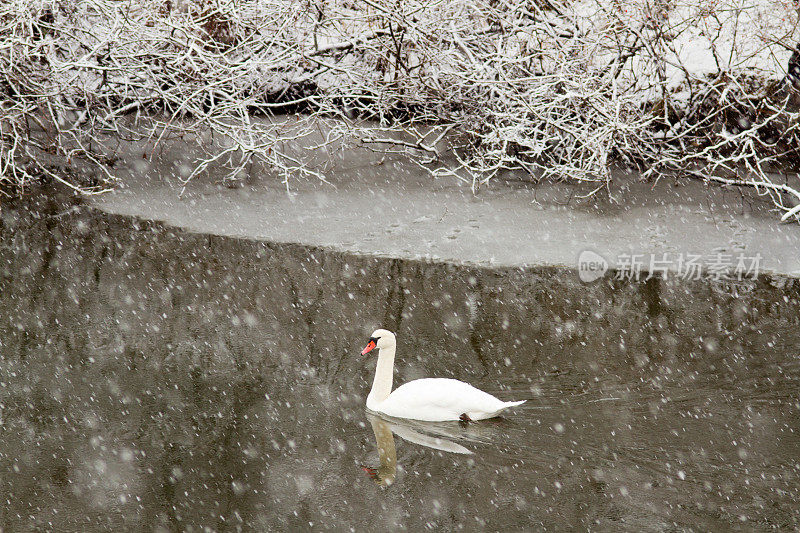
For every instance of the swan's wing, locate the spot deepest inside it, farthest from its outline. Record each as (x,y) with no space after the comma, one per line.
(438,399)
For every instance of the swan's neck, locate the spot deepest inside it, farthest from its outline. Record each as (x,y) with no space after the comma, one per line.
(382,384)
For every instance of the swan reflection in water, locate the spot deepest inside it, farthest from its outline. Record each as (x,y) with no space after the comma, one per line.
(384,438)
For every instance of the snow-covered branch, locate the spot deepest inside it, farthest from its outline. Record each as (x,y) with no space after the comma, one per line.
(561,90)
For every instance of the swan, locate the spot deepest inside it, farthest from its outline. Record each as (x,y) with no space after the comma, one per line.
(429,399)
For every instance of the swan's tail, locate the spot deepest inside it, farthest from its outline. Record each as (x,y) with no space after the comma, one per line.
(506,405)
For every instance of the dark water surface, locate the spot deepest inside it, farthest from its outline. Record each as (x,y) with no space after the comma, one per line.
(157,380)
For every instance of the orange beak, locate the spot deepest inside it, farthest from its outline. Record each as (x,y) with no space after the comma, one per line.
(368,348)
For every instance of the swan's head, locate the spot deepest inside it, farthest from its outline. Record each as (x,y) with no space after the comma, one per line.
(380,338)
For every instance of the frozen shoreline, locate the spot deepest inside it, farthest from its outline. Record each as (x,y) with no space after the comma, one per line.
(386,206)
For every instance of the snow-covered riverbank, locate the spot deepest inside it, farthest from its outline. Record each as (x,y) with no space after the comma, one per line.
(558,90)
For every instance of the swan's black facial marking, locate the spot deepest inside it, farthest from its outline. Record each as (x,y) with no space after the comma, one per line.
(374,339)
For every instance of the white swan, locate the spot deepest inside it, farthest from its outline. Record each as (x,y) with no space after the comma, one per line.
(429,399)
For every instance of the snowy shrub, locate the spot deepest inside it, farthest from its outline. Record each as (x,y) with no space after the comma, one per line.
(560,90)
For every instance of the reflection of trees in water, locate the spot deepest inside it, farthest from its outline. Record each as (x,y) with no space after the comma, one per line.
(210,358)
(396,297)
